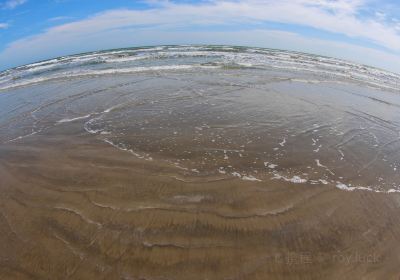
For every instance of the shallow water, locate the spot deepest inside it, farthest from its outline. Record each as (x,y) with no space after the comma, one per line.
(256,114)
(187,162)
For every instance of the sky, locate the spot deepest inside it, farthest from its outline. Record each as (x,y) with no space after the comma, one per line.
(363,31)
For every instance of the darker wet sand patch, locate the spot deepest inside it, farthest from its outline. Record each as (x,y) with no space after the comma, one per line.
(76,208)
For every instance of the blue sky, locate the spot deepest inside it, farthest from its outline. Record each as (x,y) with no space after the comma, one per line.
(364,31)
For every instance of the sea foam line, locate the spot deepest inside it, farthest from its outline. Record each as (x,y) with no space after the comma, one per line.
(295,179)
(106,72)
(348,188)
(74,119)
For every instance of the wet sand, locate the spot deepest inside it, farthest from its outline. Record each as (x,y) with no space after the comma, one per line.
(203,172)
(76,208)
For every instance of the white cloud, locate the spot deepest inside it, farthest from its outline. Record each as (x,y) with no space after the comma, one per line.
(12,4)
(4,25)
(119,28)
(338,16)
(60,18)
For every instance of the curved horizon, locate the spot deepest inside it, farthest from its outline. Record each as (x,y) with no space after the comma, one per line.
(195,45)
(361,31)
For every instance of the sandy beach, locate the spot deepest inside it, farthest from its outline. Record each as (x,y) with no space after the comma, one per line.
(73,208)
(231,172)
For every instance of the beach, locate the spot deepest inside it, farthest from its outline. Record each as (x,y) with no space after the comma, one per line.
(199,163)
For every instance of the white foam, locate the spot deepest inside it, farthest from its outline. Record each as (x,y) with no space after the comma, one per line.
(342,154)
(88,123)
(250,178)
(344,187)
(283,142)
(295,179)
(323,166)
(393,191)
(73,119)
(245,177)
(122,147)
(270,165)
(22,137)
(221,170)
(314,141)
(317,149)
(127,59)
(236,174)
(83,73)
